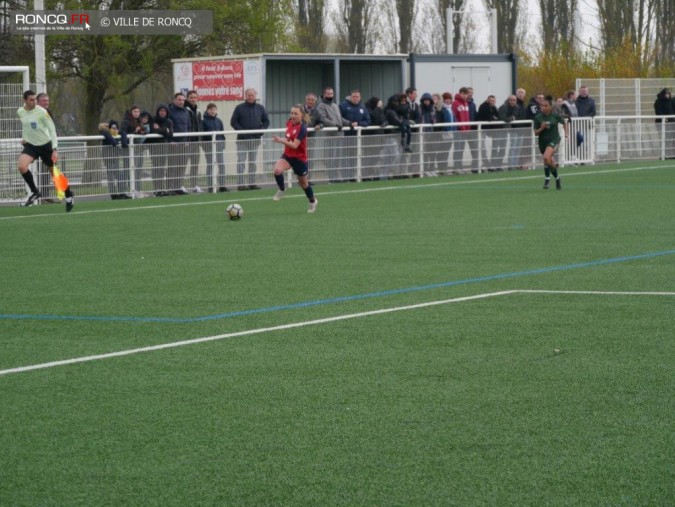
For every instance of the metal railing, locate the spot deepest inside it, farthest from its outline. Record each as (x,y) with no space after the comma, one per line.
(151,167)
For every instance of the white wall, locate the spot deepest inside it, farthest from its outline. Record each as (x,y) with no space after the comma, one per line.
(486,78)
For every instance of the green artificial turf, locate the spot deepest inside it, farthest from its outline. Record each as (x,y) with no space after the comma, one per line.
(521,398)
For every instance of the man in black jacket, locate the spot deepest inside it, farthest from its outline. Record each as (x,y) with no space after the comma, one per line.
(248,115)
(193,148)
(178,158)
(488,111)
(663,106)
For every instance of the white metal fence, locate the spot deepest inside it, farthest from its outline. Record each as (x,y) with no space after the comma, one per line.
(149,168)
(625,97)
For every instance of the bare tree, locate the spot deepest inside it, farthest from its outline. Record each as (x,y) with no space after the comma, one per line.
(352,33)
(311,26)
(616,22)
(557,21)
(507,23)
(664,32)
(406,20)
(458,18)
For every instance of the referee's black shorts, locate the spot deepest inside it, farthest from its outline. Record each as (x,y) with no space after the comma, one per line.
(43,152)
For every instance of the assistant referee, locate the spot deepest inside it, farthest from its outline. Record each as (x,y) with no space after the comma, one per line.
(39,141)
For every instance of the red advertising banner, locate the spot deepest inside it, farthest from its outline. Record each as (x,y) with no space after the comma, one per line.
(219,80)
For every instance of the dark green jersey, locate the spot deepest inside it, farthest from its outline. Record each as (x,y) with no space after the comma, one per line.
(550,136)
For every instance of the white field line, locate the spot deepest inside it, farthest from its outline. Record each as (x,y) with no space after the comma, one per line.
(245,333)
(337,192)
(594,292)
(294,325)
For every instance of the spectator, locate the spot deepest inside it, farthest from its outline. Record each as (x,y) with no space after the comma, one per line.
(375,109)
(509,112)
(473,115)
(533,105)
(215,152)
(585,104)
(414,115)
(372,146)
(663,106)
(521,96)
(432,142)
(160,149)
(357,115)
(404,112)
(294,157)
(460,110)
(488,112)
(354,112)
(118,180)
(42,100)
(178,157)
(131,124)
(195,142)
(439,155)
(427,112)
(310,112)
(569,107)
(391,152)
(568,111)
(329,115)
(140,146)
(448,117)
(249,115)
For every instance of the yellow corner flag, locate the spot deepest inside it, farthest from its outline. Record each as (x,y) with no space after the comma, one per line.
(60,182)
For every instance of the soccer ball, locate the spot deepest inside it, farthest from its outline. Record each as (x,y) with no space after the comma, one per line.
(234,212)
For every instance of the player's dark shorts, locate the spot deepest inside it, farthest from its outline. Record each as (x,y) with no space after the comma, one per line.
(300,167)
(543,146)
(43,152)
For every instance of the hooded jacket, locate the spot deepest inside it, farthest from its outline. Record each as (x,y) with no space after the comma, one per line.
(663,106)
(109,131)
(376,116)
(585,106)
(392,113)
(427,113)
(164,126)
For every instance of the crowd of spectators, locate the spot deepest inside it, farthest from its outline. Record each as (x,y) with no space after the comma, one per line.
(332,123)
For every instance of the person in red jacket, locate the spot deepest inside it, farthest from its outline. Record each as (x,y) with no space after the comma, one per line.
(460,110)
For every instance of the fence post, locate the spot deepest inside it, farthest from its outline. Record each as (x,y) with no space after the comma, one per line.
(618,141)
(132,167)
(359,153)
(479,133)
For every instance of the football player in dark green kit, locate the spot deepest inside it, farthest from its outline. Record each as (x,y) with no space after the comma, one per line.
(546,127)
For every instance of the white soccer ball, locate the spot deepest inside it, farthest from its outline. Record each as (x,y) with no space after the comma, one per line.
(234,212)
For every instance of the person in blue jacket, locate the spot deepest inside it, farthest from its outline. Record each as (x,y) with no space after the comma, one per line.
(211,123)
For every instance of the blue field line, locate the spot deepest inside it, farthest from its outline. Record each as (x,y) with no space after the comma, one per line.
(343,299)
